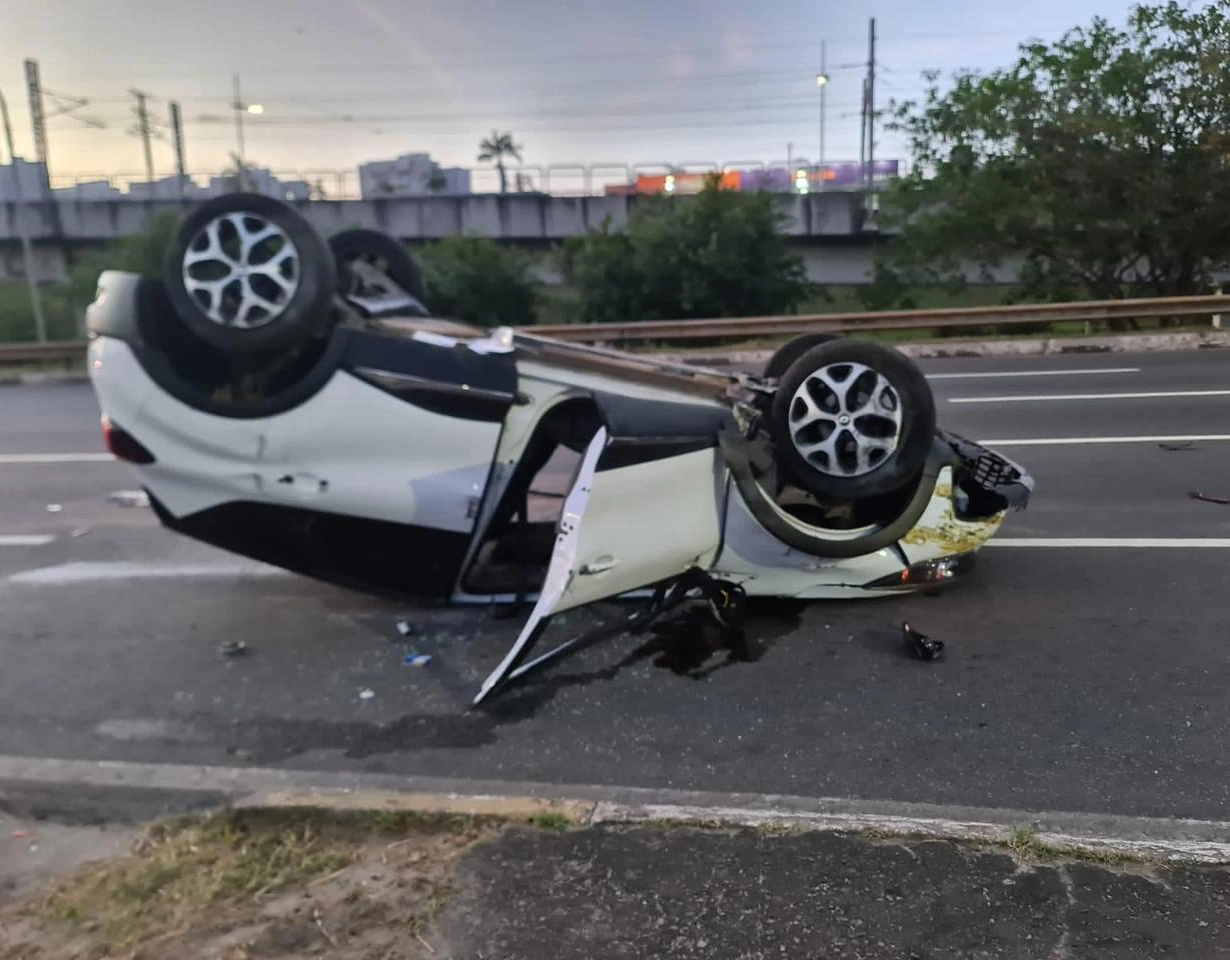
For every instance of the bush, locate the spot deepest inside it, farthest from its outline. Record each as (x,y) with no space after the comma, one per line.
(17,313)
(717,254)
(139,253)
(479,281)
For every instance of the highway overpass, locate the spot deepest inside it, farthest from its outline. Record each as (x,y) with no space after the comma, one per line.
(826,228)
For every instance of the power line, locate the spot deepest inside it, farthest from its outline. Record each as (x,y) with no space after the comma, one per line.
(470,66)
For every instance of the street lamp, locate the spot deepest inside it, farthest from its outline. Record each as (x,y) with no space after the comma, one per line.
(240,109)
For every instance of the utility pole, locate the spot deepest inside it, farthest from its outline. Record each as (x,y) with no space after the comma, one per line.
(862,134)
(239,106)
(823,81)
(177,132)
(27,252)
(38,120)
(871,118)
(143,130)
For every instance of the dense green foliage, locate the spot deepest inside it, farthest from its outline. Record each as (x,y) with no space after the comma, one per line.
(1095,166)
(718,254)
(480,281)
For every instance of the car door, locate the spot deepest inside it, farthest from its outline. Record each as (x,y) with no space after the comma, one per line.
(625,526)
(388,463)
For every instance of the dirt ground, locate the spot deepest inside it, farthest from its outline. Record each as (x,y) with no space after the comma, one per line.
(252,884)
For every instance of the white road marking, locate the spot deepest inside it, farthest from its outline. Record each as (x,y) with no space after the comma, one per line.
(1031,398)
(1081,441)
(1031,373)
(69,573)
(25,539)
(56,458)
(1122,543)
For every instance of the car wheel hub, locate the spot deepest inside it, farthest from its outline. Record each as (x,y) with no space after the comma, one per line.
(241,270)
(845,419)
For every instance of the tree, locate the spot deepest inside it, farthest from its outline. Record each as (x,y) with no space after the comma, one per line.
(479,281)
(497,147)
(1100,162)
(717,254)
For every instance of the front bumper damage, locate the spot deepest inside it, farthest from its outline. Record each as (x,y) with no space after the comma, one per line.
(985,483)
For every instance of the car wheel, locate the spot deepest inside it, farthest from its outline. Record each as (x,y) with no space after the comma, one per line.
(791,350)
(852,419)
(377,250)
(246,273)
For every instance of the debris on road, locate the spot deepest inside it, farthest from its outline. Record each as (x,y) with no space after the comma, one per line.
(923,646)
(54,508)
(416,660)
(404,628)
(1208,498)
(1181,445)
(79,533)
(366,694)
(129,498)
(233,648)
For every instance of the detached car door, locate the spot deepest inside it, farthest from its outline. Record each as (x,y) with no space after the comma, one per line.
(637,514)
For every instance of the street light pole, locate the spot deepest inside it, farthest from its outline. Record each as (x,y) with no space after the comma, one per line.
(27,252)
(822,81)
(241,172)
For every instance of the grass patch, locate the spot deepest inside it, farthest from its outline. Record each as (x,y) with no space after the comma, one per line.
(1025,844)
(194,880)
(551,821)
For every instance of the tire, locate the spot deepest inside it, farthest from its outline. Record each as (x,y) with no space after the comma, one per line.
(256,296)
(791,350)
(881,446)
(389,256)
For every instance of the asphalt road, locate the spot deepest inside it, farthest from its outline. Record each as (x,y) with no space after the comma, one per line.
(1075,678)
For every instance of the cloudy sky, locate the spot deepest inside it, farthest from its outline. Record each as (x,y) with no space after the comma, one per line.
(576,81)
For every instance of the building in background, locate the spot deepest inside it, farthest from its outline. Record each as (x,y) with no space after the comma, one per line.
(88,191)
(411,175)
(30,177)
(832,176)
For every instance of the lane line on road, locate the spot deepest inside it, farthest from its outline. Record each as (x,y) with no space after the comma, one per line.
(1126,543)
(1081,441)
(1038,397)
(186,787)
(25,539)
(69,573)
(15,458)
(1031,373)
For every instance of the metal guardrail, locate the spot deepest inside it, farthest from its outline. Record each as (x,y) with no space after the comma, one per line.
(725,328)
(720,329)
(34,352)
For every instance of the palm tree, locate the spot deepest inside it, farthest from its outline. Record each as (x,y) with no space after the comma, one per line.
(497,147)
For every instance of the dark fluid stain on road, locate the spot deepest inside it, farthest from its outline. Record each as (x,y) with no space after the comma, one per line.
(684,645)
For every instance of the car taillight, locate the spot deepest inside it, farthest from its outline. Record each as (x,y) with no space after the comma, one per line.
(122,444)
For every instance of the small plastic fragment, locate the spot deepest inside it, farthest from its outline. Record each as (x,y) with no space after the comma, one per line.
(416,660)
(1208,498)
(923,646)
(79,533)
(366,694)
(404,628)
(129,498)
(233,648)
(54,508)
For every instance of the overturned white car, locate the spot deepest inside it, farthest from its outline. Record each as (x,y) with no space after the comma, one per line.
(292,400)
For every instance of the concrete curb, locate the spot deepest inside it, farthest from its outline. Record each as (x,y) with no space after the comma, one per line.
(109,785)
(933,350)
